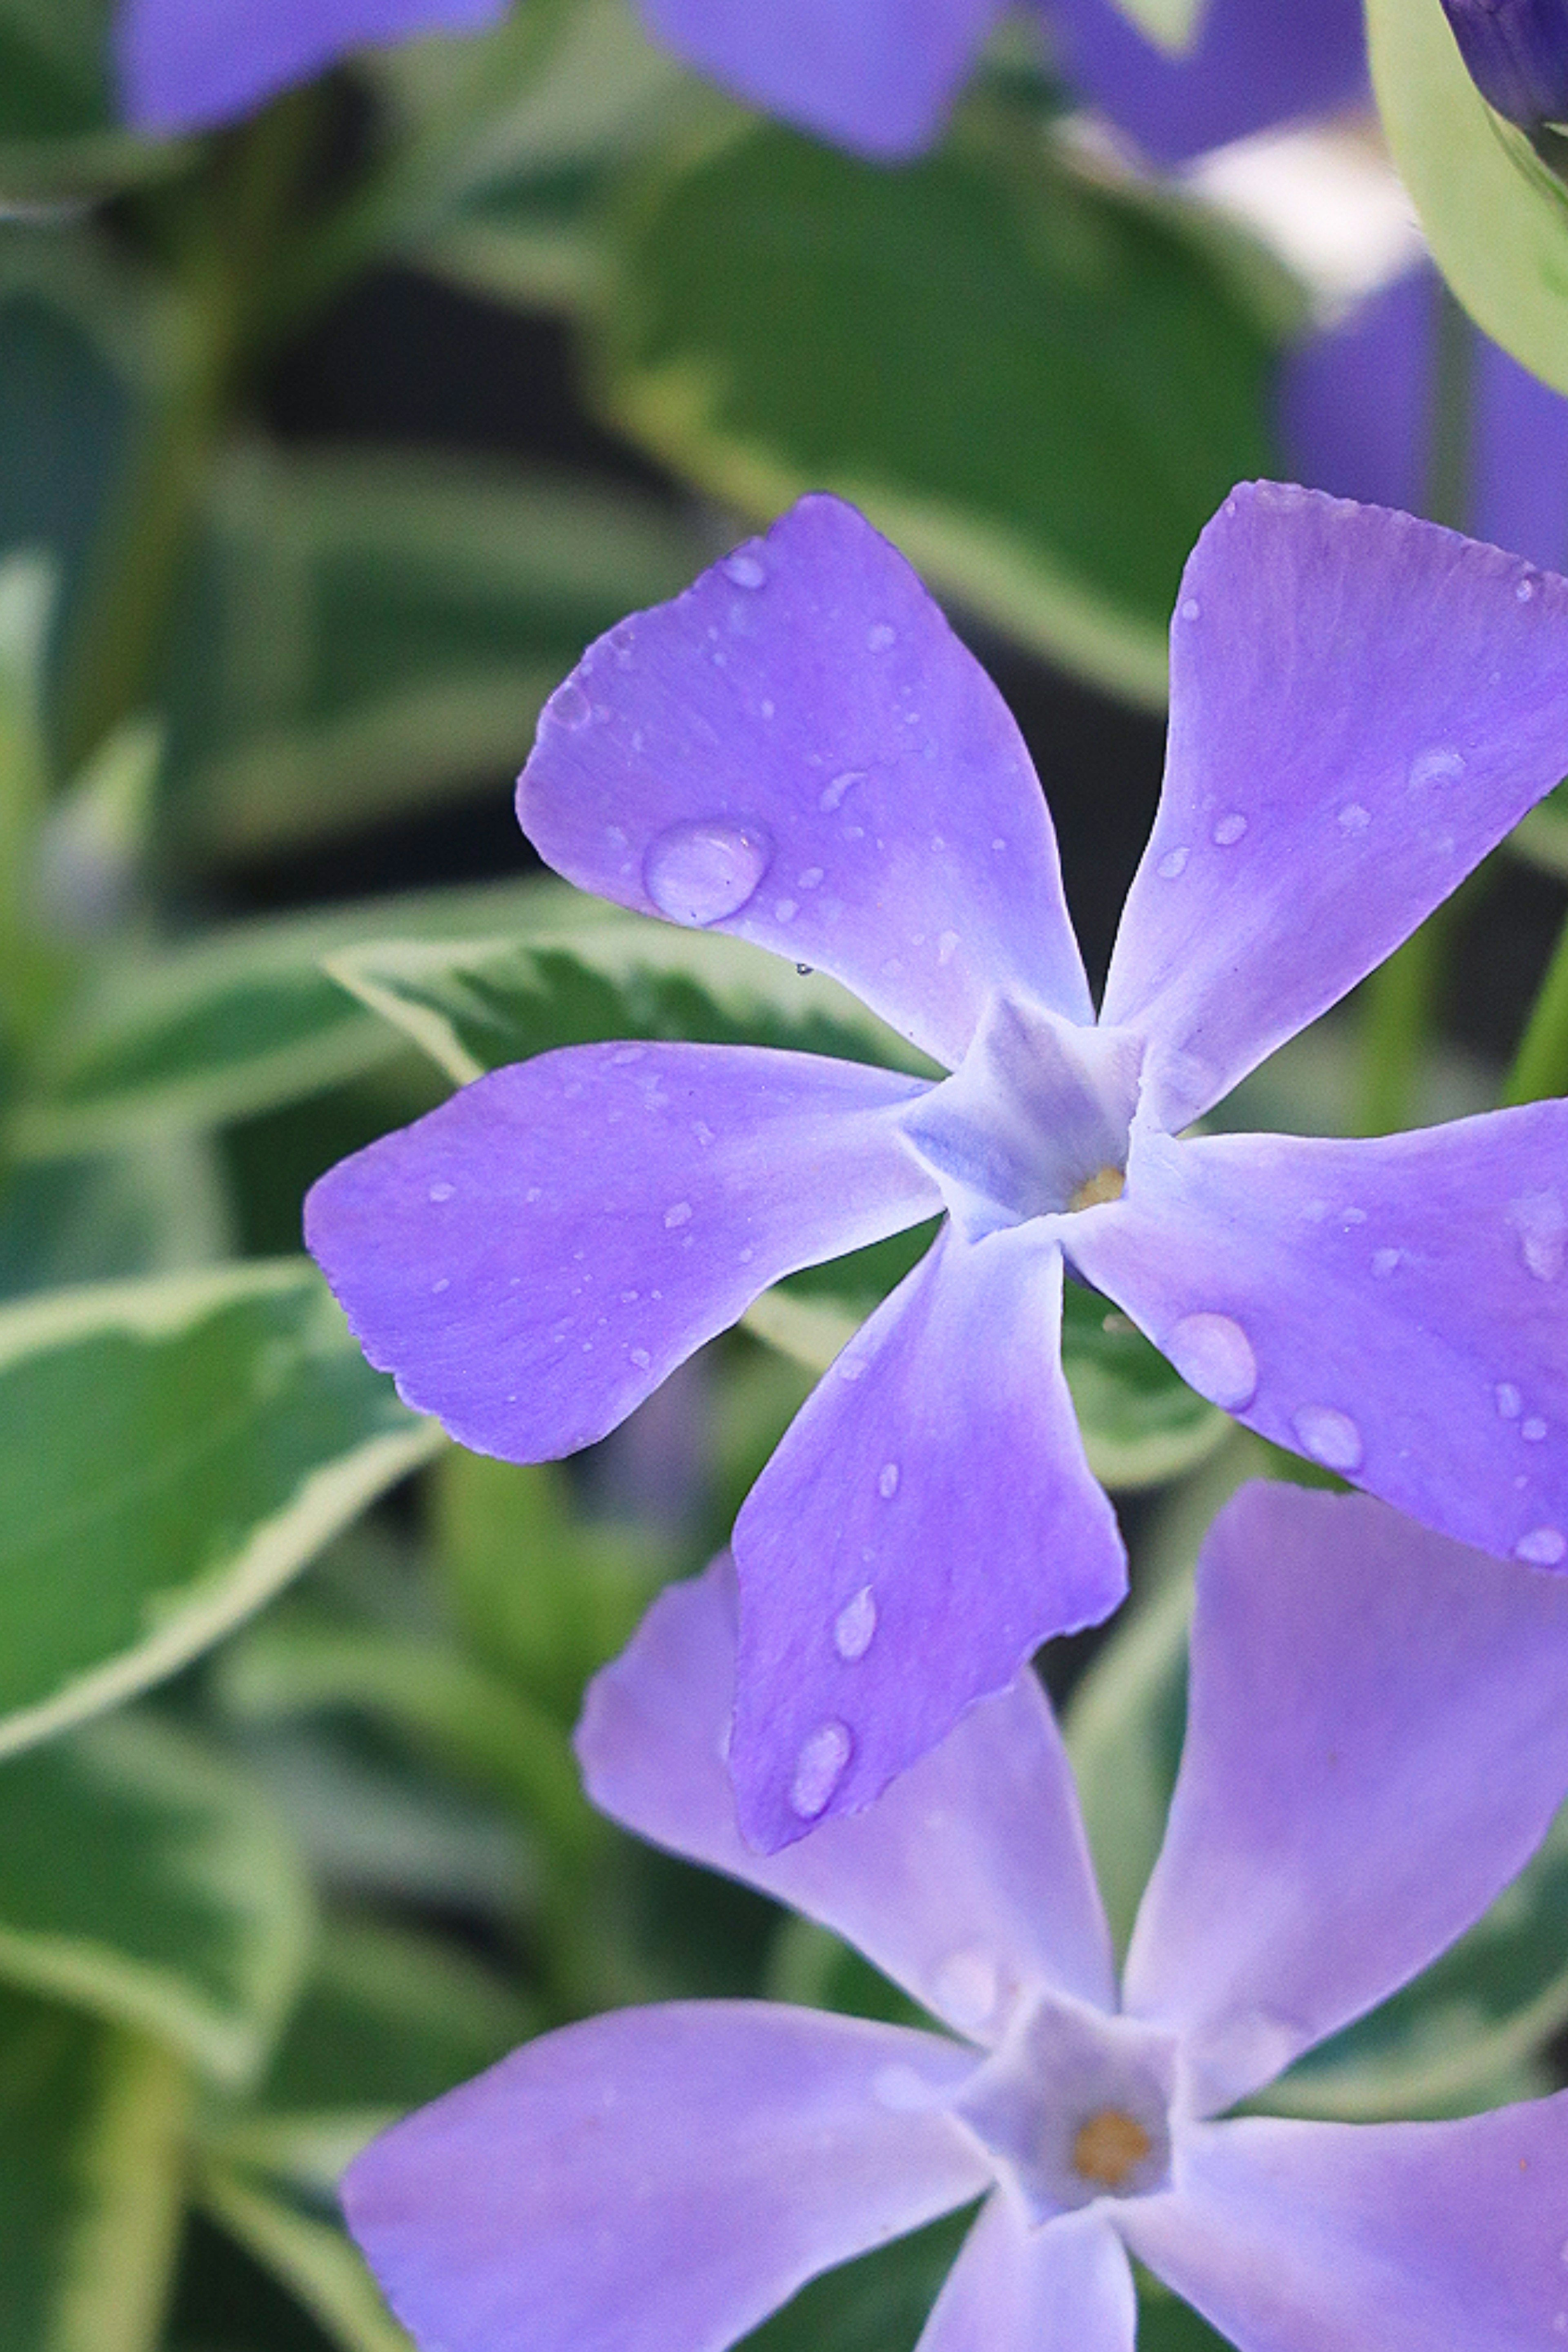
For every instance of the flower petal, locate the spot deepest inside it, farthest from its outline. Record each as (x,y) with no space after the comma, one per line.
(185,64)
(1308,2237)
(532,1258)
(1395,1307)
(659,2178)
(936,1477)
(1252,64)
(1065,2288)
(798,749)
(1361,706)
(968,1881)
(1377,1740)
(874,76)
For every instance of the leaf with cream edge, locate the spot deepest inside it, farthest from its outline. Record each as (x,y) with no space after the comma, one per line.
(179,1448)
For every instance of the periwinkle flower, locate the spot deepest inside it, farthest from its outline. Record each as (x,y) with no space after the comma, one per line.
(1517,55)
(1376,1739)
(188,64)
(798,750)
(877,76)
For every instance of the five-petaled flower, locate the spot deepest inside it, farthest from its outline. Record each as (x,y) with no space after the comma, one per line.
(800,751)
(1377,1737)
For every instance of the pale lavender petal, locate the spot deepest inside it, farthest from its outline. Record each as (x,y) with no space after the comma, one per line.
(1395,1307)
(1362,705)
(1064,2288)
(658,2179)
(1254,63)
(874,76)
(535,1257)
(185,64)
(968,1882)
(798,749)
(939,1468)
(1306,2237)
(1377,1740)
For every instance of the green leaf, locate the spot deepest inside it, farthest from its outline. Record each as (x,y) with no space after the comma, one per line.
(177,1450)
(1542,838)
(92,2127)
(147,1210)
(314,2258)
(1172,24)
(1101,384)
(1496,217)
(145,1881)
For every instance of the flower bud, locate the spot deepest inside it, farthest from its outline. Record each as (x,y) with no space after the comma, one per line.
(1516,53)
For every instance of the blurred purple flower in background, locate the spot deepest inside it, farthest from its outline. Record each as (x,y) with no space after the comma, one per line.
(1516,53)
(879,76)
(1377,1738)
(188,64)
(798,750)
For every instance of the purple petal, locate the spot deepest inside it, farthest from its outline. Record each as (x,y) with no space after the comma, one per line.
(658,2179)
(968,1882)
(798,749)
(875,76)
(1377,1740)
(1357,406)
(1254,62)
(1362,705)
(1307,2237)
(185,64)
(1065,2288)
(1396,1309)
(937,1475)
(532,1258)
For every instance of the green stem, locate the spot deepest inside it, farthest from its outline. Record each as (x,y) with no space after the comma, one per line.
(1540,1066)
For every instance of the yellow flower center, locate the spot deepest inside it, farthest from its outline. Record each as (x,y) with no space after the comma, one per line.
(1105,1185)
(1110,2146)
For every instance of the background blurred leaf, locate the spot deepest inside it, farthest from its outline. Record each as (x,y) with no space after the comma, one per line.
(146,1882)
(1089,385)
(178,1449)
(313,2257)
(143,1211)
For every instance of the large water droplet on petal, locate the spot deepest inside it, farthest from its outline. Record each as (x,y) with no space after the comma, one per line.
(1329,1435)
(1542,1548)
(1214,1355)
(855,1626)
(700,872)
(1230,830)
(888,1481)
(745,570)
(819,1768)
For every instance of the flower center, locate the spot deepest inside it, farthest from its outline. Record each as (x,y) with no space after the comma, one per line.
(1109,2147)
(1105,1185)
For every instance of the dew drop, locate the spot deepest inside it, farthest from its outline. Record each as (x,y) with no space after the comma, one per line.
(1172,866)
(834,795)
(677,1214)
(1542,1547)
(700,872)
(880,637)
(1510,1403)
(568,707)
(820,1768)
(1190,609)
(811,879)
(786,910)
(1353,818)
(1533,1431)
(1214,1355)
(1329,1435)
(946,946)
(1525,590)
(888,1481)
(439,1192)
(442,1282)
(855,1625)
(966,1987)
(1435,767)
(745,570)
(1540,1221)
(1384,1262)
(640,1358)
(1230,830)
(535,1192)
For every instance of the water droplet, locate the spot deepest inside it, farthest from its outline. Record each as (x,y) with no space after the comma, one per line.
(855,1625)
(1214,1355)
(786,910)
(1191,610)
(1353,818)
(698,873)
(442,1282)
(1533,1431)
(810,879)
(745,570)
(1542,1547)
(1330,1436)
(1172,866)
(1541,1225)
(1229,829)
(568,707)
(888,1481)
(966,1987)
(880,637)
(946,946)
(1510,1403)
(834,795)
(680,1213)
(1386,1261)
(535,1192)
(1435,767)
(1525,590)
(439,1192)
(1352,1216)
(820,1768)
(640,1358)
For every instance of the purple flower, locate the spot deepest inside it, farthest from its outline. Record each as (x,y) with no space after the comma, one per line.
(877,76)
(798,750)
(186,64)
(1517,54)
(1377,1738)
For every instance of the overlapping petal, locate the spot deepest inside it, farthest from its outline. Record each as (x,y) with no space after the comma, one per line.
(1253,63)
(969,1881)
(185,64)
(537,1254)
(1307,2237)
(1377,1740)
(658,2179)
(1395,1307)
(1065,2288)
(875,76)
(934,1486)
(1362,705)
(798,749)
